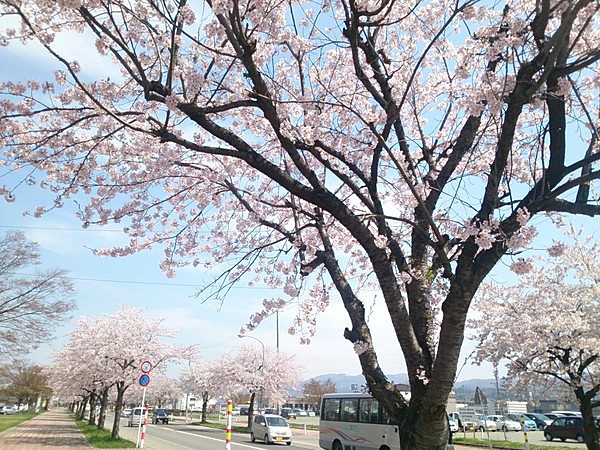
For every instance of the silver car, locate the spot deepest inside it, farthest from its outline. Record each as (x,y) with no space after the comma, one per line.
(137,415)
(9,410)
(270,428)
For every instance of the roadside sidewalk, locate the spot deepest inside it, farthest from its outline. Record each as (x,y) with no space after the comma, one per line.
(52,430)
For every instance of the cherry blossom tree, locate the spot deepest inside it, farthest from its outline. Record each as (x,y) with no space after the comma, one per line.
(107,352)
(204,378)
(32,302)
(270,379)
(343,147)
(546,325)
(161,391)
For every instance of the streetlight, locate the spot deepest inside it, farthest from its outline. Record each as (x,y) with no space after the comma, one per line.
(261,368)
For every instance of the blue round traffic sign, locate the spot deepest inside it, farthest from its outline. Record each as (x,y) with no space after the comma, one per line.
(144,380)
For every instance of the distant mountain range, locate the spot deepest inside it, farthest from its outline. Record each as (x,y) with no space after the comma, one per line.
(465,390)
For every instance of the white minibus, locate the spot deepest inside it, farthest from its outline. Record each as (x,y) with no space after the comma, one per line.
(355,421)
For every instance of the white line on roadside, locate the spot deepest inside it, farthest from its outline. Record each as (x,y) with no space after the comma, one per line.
(151,437)
(214,439)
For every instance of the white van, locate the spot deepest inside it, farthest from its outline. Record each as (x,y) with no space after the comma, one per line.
(137,414)
(270,428)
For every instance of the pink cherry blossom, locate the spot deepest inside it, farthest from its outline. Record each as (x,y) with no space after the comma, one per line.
(392,149)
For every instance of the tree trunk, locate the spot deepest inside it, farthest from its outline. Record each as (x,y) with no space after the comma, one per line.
(426,429)
(251,409)
(81,412)
(121,388)
(103,407)
(93,400)
(592,433)
(204,406)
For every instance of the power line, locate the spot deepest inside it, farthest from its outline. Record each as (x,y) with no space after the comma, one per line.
(58,228)
(148,283)
(99,230)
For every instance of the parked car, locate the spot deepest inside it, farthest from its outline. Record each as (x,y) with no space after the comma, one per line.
(529,424)
(540,420)
(453,424)
(565,428)
(271,428)
(482,423)
(567,413)
(160,416)
(504,423)
(288,413)
(126,412)
(311,413)
(137,415)
(235,411)
(302,412)
(244,410)
(553,416)
(456,417)
(9,410)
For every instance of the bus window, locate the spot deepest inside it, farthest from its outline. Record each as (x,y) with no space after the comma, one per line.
(331,409)
(349,410)
(368,410)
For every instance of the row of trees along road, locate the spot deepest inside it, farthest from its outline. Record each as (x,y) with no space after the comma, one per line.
(100,365)
(347,146)
(102,360)
(243,375)
(546,327)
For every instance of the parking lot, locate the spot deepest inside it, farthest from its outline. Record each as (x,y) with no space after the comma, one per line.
(534,437)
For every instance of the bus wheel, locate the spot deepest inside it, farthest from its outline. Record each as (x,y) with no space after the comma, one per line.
(336,445)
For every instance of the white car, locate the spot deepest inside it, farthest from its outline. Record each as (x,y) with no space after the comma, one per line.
(137,415)
(302,412)
(504,423)
(482,423)
(270,428)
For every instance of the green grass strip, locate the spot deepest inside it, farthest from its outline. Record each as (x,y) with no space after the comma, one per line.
(496,444)
(101,438)
(11,420)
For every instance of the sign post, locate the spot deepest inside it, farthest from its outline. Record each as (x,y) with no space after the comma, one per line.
(143,381)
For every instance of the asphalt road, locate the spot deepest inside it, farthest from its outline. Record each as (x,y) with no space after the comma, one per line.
(181,436)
